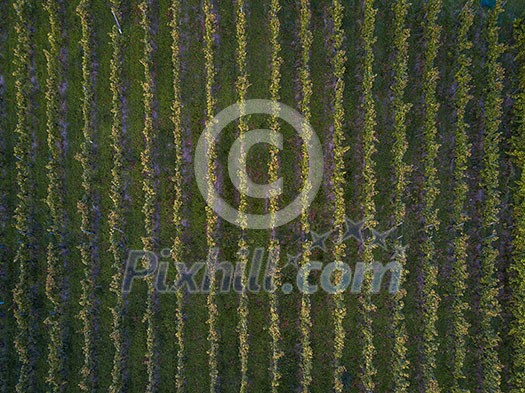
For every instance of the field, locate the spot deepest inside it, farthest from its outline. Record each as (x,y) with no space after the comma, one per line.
(419,107)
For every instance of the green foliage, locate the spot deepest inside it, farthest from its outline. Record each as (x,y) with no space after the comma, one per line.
(367,194)
(489,307)
(150,197)
(176,109)
(4,256)
(460,326)
(518,265)
(24,339)
(210,28)
(41,181)
(86,206)
(400,174)
(273,167)
(55,203)
(339,253)
(305,39)
(117,214)
(243,251)
(430,298)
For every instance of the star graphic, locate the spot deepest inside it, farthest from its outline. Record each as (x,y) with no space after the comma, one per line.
(243,252)
(353,229)
(319,241)
(293,260)
(399,251)
(380,237)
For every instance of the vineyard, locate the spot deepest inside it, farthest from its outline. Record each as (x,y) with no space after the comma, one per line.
(419,108)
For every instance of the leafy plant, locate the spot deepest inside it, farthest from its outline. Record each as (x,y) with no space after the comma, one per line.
(176,109)
(367,194)
(243,252)
(24,339)
(55,290)
(150,198)
(430,298)
(460,326)
(518,265)
(86,206)
(339,253)
(489,307)
(210,29)
(305,39)
(400,173)
(116,217)
(273,167)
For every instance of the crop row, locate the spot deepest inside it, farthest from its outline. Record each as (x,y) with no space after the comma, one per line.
(210,29)
(518,266)
(274,251)
(24,340)
(367,193)
(149,180)
(338,178)
(55,280)
(176,109)
(116,216)
(462,152)
(305,39)
(429,271)
(489,307)
(400,173)
(86,206)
